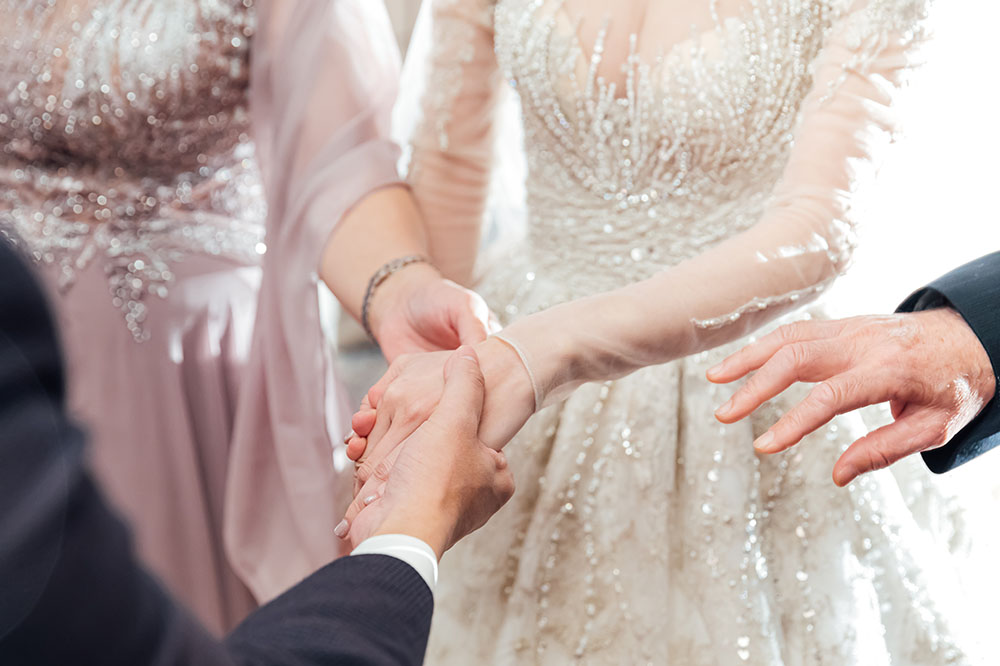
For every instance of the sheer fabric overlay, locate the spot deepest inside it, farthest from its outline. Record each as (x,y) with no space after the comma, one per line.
(144,148)
(691,168)
(324,78)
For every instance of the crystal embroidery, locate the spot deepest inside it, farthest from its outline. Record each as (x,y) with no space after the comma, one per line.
(126,140)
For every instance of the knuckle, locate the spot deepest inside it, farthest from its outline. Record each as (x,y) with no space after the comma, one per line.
(788,357)
(788,332)
(364,471)
(828,394)
(801,354)
(411,411)
(400,363)
(876,458)
(391,395)
(382,470)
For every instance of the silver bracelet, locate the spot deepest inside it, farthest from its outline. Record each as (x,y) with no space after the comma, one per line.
(380,276)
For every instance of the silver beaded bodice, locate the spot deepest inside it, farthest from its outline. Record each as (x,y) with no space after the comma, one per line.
(638,167)
(124,138)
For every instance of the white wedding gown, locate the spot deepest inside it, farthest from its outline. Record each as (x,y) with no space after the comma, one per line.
(698,157)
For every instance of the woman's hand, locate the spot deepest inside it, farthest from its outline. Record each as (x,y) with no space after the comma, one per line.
(417,310)
(410,391)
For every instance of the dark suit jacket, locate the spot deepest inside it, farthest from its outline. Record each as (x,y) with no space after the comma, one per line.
(974,292)
(71,590)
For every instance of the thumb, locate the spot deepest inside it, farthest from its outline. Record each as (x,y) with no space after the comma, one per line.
(472,322)
(464,388)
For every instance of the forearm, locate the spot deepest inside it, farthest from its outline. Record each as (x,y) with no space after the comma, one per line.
(710,300)
(383,226)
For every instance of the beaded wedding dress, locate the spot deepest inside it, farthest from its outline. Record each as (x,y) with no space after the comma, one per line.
(690,168)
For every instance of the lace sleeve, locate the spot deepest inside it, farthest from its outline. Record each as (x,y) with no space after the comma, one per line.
(452,145)
(323,80)
(801,244)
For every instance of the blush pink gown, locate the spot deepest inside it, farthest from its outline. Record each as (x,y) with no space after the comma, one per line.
(175,169)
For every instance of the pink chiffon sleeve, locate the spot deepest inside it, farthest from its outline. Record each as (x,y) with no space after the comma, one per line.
(801,244)
(324,78)
(452,146)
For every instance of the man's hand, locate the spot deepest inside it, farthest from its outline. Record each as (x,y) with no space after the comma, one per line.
(442,482)
(417,310)
(410,390)
(929,366)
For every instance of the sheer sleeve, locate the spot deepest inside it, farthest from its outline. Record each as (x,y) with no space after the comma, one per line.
(800,245)
(452,144)
(323,80)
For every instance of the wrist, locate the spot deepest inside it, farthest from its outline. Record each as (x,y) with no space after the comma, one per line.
(396,291)
(550,358)
(430,526)
(510,393)
(979,368)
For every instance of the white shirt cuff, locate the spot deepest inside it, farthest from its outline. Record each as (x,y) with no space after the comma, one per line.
(411,550)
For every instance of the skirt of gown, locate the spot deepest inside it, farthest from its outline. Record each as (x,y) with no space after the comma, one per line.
(643,531)
(160,416)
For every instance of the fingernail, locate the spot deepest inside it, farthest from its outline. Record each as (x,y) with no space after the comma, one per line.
(368,500)
(341,529)
(843,477)
(725,408)
(349,437)
(717,368)
(466,352)
(764,442)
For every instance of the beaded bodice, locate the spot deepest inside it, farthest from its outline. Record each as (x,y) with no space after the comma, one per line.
(643,157)
(124,138)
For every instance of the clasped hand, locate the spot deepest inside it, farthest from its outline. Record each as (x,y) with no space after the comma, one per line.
(411,393)
(445,481)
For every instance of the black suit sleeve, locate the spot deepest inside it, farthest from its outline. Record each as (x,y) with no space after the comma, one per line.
(71,589)
(974,292)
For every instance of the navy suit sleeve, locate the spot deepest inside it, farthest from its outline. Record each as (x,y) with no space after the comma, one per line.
(71,589)
(375,609)
(974,292)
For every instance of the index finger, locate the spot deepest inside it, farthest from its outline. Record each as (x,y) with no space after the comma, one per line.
(754,355)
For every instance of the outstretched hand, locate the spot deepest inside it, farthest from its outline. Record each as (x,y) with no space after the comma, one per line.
(442,482)
(929,366)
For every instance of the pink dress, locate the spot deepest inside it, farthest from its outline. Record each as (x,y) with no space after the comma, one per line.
(175,170)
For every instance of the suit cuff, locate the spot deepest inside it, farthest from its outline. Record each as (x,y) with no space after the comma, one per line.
(973,291)
(409,549)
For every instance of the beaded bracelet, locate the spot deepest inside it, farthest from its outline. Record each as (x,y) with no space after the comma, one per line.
(380,276)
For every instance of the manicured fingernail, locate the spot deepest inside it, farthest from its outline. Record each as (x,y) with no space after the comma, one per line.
(764,442)
(725,408)
(348,437)
(368,500)
(341,529)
